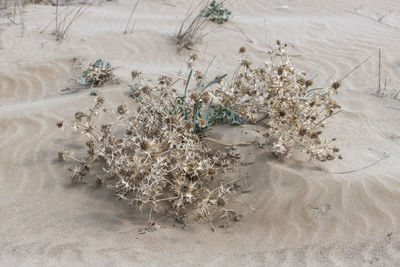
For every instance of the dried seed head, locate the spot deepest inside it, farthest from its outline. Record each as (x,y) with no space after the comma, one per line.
(193,56)
(280,71)
(205,98)
(146,89)
(194,96)
(302,132)
(144,145)
(301,81)
(129,132)
(202,123)
(99,181)
(221,202)
(100,100)
(60,124)
(122,109)
(135,74)
(198,75)
(62,155)
(79,115)
(165,80)
(242,50)
(309,83)
(336,85)
(105,127)
(245,62)
(189,125)
(90,144)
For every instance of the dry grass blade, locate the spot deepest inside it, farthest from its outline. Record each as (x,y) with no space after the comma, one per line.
(193,27)
(356,67)
(365,167)
(65,20)
(130,18)
(229,144)
(378,92)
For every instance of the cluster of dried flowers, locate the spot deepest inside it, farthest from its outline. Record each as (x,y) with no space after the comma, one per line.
(284,98)
(275,93)
(158,161)
(157,154)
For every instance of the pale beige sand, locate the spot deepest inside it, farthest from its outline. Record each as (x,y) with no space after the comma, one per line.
(302,213)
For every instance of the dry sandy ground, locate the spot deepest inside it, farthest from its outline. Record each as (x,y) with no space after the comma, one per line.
(302,213)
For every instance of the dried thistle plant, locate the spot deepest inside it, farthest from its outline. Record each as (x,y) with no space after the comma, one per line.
(157,155)
(294,110)
(285,98)
(158,162)
(97,74)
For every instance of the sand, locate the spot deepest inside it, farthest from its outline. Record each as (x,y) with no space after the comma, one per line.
(296,213)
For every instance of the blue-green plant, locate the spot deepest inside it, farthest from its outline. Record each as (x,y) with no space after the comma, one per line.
(97,74)
(217,13)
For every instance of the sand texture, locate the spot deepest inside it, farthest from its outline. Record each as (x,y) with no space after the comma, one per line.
(296,213)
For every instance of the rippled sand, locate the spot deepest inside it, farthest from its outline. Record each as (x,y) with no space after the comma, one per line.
(297,213)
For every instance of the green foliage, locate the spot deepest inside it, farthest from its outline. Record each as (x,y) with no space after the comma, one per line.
(217,13)
(196,105)
(94,93)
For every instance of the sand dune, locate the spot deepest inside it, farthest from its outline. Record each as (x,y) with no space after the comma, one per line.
(296,213)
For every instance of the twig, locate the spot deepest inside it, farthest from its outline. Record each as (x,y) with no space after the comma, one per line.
(379,74)
(327,80)
(365,16)
(384,16)
(350,72)
(13,21)
(395,96)
(130,17)
(327,118)
(365,167)
(229,144)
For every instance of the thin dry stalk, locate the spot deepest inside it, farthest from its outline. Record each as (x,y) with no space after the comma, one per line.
(130,18)
(395,96)
(192,29)
(352,70)
(378,92)
(63,24)
(365,167)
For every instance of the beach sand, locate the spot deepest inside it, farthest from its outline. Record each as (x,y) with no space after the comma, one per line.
(296,213)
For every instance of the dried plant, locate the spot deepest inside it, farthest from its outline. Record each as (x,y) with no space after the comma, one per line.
(64,19)
(276,92)
(197,104)
(157,153)
(156,159)
(192,29)
(128,23)
(97,74)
